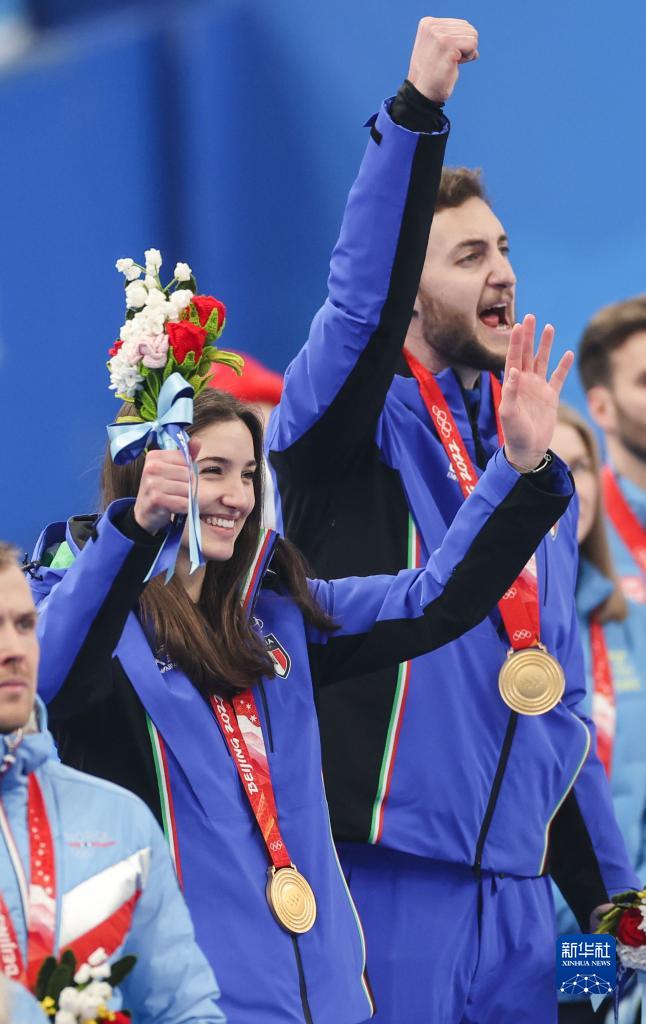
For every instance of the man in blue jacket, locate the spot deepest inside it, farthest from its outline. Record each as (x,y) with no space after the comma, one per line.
(449,806)
(83,864)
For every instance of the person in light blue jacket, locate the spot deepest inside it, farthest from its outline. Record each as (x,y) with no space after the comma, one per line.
(613,634)
(82,860)
(18,1006)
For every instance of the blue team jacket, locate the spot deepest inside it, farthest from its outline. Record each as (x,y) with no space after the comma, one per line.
(626,642)
(364,485)
(107,849)
(98,667)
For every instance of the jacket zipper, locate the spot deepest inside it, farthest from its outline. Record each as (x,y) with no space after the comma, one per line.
(307,1013)
(481,459)
(495,790)
(263,697)
(545,561)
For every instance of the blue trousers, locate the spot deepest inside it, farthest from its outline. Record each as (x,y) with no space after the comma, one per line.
(445,947)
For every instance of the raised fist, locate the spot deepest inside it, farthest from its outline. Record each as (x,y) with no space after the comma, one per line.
(164,486)
(441,45)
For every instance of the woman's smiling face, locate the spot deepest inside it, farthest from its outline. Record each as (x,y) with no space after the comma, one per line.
(226,467)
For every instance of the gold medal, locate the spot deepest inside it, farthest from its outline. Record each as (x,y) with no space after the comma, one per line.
(291,899)
(531,681)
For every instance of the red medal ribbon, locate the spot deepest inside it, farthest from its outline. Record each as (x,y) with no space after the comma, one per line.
(38,898)
(519,606)
(624,520)
(604,705)
(233,717)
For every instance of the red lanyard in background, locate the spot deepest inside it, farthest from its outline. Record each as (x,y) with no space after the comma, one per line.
(624,519)
(38,897)
(604,705)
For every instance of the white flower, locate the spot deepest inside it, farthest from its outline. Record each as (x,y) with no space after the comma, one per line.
(149,321)
(156,298)
(124,378)
(99,989)
(129,330)
(153,261)
(65,1017)
(128,267)
(180,299)
(99,956)
(153,354)
(136,295)
(90,1005)
(183,272)
(151,282)
(632,956)
(69,1000)
(83,974)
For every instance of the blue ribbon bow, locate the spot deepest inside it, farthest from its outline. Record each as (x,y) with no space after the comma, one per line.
(129,440)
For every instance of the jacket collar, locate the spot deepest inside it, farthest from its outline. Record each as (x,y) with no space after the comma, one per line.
(407,391)
(32,751)
(267,541)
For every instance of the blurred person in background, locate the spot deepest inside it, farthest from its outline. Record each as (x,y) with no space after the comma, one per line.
(612,365)
(613,632)
(450,807)
(257,385)
(262,388)
(83,864)
(18,1005)
(15,30)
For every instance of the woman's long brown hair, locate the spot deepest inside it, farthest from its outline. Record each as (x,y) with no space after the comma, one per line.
(213,641)
(595,546)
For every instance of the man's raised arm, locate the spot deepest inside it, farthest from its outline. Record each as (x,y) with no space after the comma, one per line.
(336,386)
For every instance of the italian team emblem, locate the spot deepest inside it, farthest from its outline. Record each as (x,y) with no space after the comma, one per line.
(279,655)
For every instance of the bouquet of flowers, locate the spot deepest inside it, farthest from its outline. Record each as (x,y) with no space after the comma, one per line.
(167,330)
(161,360)
(69,995)
(627,922)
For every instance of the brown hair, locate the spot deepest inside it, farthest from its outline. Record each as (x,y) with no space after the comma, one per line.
(595,547)
(213,641)
(606,332)
(9,555)
(458,184)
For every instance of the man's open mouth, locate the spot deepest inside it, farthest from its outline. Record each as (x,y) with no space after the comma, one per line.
(496,316)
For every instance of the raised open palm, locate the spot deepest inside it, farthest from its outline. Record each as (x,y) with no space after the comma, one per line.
(529,400)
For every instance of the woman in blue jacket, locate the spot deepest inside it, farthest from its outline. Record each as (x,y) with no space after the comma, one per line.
(614,645)
(200,696)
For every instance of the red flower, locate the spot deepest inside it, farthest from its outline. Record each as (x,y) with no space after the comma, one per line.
(115,348)
(204,306)
(119,1017)
(629,931)
(184,338)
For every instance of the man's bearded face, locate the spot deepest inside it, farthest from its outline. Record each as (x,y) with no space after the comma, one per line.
(467,290)
(628,387)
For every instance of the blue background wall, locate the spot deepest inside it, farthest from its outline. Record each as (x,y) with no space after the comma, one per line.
(227,134)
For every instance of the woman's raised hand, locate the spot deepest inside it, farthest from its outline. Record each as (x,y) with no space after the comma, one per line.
(529,400)
(164,486)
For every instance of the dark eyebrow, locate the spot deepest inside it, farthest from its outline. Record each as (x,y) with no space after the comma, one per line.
(476,243)
(28,613)
(224,462)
